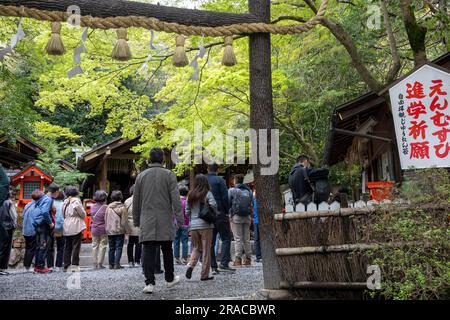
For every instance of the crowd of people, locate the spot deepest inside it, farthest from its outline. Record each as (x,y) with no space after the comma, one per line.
(159,216)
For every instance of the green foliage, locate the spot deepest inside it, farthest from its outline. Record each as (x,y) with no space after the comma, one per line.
(347,176)
(427,186)
(417,271)
(49,162)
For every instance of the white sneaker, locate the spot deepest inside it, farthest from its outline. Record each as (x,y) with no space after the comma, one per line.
(148,289)
(175,281)
(56,269)
(75,269)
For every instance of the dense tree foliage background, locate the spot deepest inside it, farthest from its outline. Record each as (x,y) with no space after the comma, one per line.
(347,55)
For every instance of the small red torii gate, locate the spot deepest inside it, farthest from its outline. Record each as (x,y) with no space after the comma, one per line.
(30,179)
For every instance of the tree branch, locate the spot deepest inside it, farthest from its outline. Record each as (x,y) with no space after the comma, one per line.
(293,18)
(393,71)
(345,39)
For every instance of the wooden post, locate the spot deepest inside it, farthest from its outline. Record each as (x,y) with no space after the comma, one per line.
(104,174)
(261,117)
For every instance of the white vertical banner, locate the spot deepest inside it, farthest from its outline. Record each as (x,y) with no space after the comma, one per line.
(420,107)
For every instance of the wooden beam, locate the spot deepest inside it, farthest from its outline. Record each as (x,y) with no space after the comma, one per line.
(109,8)
(362,135)
(323,285)
(104,174)
(124,157)
(343,248)
(261,117)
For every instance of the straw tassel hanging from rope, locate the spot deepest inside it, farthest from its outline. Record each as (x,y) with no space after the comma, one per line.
(121,51)
(180,58)
(55,45)
(229,58)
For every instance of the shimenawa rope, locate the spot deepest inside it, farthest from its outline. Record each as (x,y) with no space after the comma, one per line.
(171,27)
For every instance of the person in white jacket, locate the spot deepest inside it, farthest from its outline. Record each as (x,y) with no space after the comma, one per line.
(133,237)
(74,225)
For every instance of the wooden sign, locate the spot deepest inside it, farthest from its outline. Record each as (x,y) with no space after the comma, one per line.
(422,118)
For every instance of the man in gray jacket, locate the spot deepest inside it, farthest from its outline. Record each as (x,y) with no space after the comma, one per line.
(155,200)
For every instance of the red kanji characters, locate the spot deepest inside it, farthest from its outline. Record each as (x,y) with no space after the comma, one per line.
(440,122)
(435,105)
(417,129)
(442,134)
(415,91)
(420,150)
(415,109)
(443,154)
(437,88)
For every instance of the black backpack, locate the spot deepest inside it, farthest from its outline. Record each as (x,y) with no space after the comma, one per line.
(242,203)
(318,180)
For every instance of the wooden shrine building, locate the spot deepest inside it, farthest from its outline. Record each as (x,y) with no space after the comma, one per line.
(112,166)
(362,132)
(14,156)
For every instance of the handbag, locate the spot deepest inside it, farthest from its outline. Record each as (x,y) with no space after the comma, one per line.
(207,212)
(6,219)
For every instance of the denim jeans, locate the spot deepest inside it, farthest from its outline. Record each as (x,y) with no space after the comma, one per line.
(115,248)
(257,242)
(42,237)
(222,227)
(216,247)
(181,236)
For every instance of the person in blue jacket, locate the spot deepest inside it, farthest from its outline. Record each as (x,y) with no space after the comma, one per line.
(44,225)
(29,228)
(256,228)
(37,223)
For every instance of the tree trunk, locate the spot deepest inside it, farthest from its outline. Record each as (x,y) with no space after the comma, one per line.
(109,8)
(261,117)
(396,65)
(416,33)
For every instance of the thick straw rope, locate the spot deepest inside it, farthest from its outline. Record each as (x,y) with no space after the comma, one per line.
(157,25)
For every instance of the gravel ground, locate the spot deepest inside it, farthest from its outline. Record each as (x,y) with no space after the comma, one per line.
(127,284)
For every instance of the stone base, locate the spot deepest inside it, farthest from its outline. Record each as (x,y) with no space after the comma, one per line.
(16,257)
(276,294)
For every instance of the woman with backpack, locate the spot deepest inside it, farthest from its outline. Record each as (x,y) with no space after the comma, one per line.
(74,225)
(116,228)
(98,228)
(58,231)
(241,204)
(200,200)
